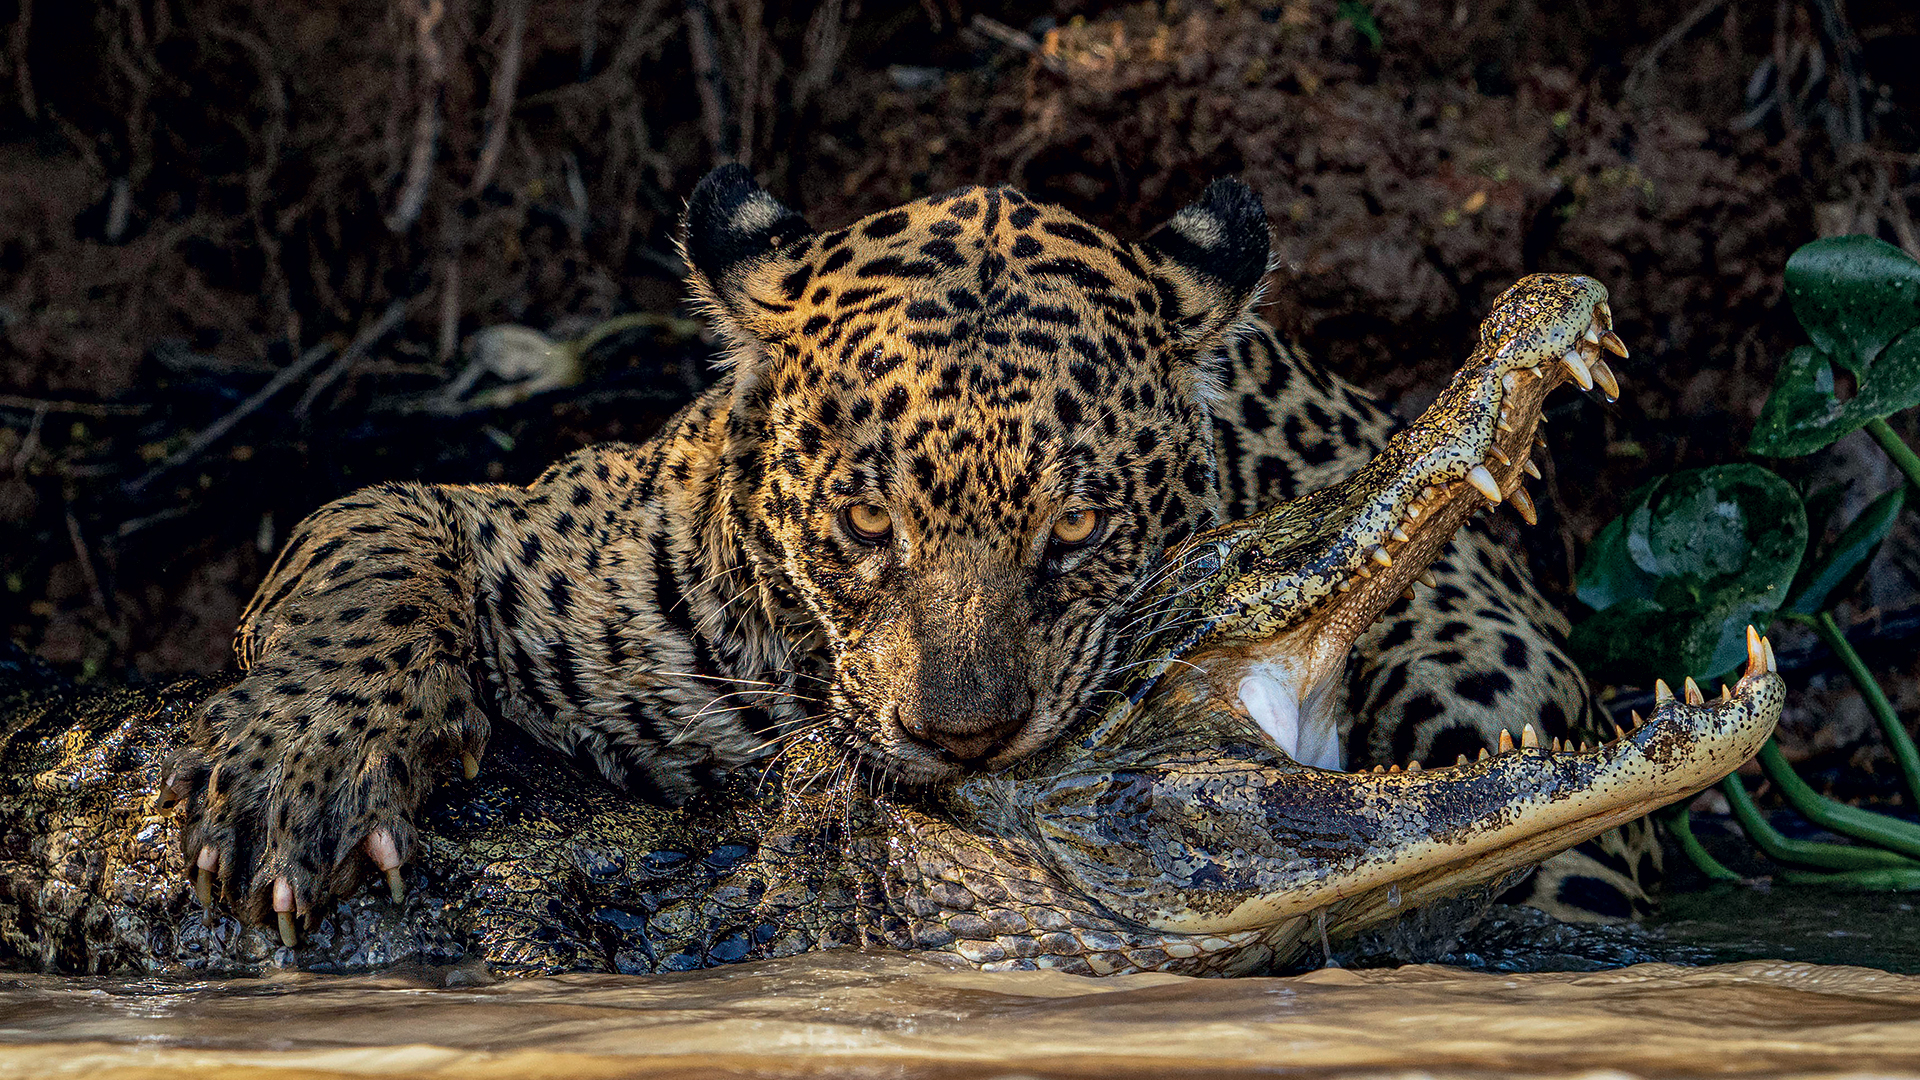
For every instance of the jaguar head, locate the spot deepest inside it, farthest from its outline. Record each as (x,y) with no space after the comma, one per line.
(960,432)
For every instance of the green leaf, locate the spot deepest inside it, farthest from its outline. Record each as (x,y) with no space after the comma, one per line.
(1859,300)
(1854,295)
(1803,414)
(1836,573)
(1676,578)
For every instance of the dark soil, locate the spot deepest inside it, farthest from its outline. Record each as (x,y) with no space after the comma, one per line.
(195,195)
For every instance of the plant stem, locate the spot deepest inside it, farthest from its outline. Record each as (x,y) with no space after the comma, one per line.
(1864,880)
(1681,822)
(1887,832)
(1897,738)
(1805,852)
(1902,455)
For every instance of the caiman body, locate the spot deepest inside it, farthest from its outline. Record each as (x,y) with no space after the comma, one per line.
(1167,832)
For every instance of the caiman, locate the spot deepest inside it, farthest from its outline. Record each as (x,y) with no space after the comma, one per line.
(1167,830)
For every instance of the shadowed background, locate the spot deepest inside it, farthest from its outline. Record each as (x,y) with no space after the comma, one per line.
(245,247)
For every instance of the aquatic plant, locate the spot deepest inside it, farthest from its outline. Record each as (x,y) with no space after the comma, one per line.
(1699,554)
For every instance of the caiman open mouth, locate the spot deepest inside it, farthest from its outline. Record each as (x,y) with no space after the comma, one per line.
(1228,853)
(1177,832)
(1268,608)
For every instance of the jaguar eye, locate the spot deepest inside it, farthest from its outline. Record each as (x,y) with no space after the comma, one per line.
(1078,528)
(868,522)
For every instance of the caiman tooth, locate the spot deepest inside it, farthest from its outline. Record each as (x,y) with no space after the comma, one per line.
(1499,455)
(1767,647)
(1581,373)
(1509,382)
(1611,342)
(1414,510)
(1380,556)
(1692,691)
(1583,746)
(1364,571)
(1503,423)
(1638,720)
(1617,733)
(1726,692)
(1506,741)
(1603,374)
(1756,660)
(1394,769)
(1592,335)
(1462,759)
(1661,692)
(1532,469)
(1554,744)
(1425,577)
(1603,314)
(1413,765)
(1484,483)
(1483,754)
(1523,503)
(1400,534)
(1406,594)
(1529,738)
(1345,585)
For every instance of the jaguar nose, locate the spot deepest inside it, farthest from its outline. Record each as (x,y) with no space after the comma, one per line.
(965,742)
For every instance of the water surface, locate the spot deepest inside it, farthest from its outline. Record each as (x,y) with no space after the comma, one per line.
(1523,1007)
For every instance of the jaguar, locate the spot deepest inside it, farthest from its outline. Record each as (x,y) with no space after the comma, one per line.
(948,448)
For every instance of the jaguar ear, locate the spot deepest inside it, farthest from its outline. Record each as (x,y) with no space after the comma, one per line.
(737,242)
(1214,254)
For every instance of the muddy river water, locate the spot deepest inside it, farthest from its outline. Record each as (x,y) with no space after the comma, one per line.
(1729,983)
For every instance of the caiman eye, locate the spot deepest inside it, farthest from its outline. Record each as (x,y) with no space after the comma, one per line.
(1078,528)
(870,523)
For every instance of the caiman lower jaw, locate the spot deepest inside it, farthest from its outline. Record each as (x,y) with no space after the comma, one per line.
(1292,589)
(1222,848)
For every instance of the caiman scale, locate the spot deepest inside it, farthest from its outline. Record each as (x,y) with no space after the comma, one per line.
(1165,830)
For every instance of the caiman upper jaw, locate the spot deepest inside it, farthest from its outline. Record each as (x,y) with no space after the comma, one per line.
(1286,593)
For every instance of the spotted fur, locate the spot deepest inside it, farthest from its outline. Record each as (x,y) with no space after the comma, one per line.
(977,366)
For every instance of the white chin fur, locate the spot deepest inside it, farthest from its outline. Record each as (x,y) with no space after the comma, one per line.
(1273,701)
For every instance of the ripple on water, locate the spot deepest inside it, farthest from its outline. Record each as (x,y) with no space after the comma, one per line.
(870,1014)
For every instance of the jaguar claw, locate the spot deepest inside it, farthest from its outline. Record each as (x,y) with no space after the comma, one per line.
(283,912)
(386,855)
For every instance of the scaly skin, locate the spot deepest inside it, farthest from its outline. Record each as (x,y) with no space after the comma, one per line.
(1165,833)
